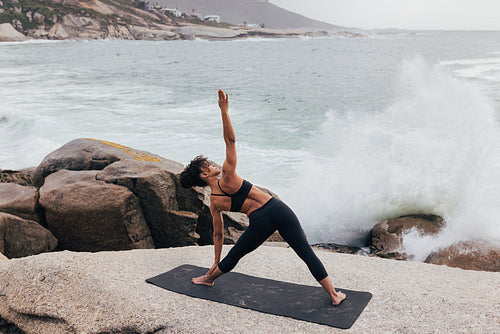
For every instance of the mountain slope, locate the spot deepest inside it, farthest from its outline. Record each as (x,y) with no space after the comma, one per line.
(250,11)
(98,19)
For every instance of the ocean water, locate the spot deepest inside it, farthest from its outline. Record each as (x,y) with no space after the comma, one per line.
(347,131)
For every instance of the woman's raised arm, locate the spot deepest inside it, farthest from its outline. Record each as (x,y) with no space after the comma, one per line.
(229,165)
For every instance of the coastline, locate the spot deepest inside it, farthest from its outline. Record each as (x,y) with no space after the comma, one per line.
(22,20)
(106,291)
(184,32)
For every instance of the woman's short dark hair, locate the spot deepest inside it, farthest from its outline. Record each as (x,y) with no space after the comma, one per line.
(190,176)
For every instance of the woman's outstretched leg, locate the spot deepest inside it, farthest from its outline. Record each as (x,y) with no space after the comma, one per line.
(294,235)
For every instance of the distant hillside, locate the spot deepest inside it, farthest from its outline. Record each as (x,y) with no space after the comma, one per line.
(121,19)
(251,11)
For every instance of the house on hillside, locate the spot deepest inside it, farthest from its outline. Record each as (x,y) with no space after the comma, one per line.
(173,11)
(212,18)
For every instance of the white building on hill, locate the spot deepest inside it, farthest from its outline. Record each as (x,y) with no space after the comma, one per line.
(213,18)
(174,11)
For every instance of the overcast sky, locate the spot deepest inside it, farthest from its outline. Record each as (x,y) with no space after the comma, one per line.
(403,14)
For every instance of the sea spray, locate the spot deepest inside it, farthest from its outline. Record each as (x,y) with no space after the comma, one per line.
(24,138)
(433,150)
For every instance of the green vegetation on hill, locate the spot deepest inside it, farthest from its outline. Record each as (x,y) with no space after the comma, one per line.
(21,13)
(18,10)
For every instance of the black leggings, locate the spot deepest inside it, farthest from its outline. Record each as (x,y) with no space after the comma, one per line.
(272,216)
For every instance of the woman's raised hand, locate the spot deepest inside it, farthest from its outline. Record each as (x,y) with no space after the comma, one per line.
(223,101)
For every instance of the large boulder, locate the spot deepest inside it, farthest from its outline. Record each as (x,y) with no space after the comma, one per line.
(88,154)
(386,238)
(19,200)
(471,255)
(86,214)
(20,237)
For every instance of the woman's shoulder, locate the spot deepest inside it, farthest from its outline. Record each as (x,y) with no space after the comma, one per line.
(231,180)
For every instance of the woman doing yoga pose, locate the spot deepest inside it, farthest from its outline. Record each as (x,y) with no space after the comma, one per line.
(267,214)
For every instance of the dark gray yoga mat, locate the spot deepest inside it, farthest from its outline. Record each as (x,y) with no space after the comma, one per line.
(296,301)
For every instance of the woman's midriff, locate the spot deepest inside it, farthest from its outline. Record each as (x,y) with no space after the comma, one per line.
(258,199)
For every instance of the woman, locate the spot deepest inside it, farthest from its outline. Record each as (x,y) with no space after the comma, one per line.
(267,214)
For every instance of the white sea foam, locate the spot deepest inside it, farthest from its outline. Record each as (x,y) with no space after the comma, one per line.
(35,41)
(433,150)
(483,68)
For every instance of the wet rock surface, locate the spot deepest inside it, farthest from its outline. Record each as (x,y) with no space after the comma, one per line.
(386,238)
(471,255)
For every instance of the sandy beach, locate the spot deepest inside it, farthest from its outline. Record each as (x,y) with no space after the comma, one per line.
(106,291)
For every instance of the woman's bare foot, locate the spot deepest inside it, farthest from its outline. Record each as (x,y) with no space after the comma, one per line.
(336,300)
(203,280)
(337,296)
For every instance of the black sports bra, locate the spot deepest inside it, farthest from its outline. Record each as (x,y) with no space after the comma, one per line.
(238,197)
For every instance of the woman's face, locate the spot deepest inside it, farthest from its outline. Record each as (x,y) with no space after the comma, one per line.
(210,169)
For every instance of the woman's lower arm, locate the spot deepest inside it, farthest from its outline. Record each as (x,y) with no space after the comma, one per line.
(218,241)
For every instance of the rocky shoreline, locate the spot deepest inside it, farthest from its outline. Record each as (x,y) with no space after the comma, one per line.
(21,20)
(93,195)
(95,218)
(186,32)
